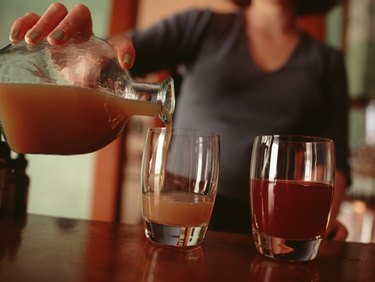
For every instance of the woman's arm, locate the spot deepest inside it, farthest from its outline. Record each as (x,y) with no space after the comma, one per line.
(336,127)
(337,231)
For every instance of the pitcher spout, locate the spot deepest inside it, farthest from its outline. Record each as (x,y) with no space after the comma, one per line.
(158,93)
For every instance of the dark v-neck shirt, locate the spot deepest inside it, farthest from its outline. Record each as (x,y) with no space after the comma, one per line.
(224,91)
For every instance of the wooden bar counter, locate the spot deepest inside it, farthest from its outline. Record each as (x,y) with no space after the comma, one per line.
(41,248)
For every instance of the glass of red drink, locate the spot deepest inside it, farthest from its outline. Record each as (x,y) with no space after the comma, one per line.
(291,191)
(180,170)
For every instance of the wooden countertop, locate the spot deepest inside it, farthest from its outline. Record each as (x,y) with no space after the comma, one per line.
(42,248)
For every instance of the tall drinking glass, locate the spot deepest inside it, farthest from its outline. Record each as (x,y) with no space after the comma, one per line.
(291,184)
(180,169)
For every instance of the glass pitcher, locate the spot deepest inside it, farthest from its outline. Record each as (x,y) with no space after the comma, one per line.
(72,98)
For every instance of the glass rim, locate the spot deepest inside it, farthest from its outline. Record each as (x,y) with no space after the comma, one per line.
(295,138)
(191,132)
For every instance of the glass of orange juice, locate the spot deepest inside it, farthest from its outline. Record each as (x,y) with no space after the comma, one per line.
(180,170)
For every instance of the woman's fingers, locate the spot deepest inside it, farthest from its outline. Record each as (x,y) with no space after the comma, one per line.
(337,231)
(57,24)
(47,22)
(124,49)
(78,20)
(341,232)
(22,25)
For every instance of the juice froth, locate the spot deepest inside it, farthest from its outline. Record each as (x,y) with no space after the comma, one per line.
(177,208)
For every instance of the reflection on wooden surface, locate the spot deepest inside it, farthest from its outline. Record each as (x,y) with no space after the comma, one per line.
(40,248)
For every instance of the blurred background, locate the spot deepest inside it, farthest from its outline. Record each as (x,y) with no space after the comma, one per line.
(105,185)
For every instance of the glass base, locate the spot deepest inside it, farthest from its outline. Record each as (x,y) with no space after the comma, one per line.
(174,236)
(286,249)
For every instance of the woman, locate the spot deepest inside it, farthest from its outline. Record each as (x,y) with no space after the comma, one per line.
(245,73)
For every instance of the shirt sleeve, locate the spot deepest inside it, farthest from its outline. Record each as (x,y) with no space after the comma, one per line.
(336,107)
(170,42)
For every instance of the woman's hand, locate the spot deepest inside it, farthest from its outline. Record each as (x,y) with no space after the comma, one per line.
(337,232)
(57,24)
